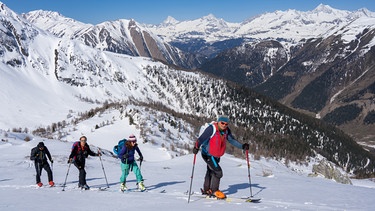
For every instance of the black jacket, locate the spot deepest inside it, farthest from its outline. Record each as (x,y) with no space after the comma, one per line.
(40,156)
(79,154)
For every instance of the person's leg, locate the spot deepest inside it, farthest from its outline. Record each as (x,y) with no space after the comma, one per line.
(49,172)
(138,176)
(137,172)
(125,172)
(124,175)
(207,180)
(38,172)
(82,174)
(215,173)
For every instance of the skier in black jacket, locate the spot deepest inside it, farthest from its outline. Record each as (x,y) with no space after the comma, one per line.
(39,155)
(80,151)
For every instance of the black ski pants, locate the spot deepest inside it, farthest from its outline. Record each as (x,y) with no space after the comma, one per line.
(213,174)
(82,173)
(39,167)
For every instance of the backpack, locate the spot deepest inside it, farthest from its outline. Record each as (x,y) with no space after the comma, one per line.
(119,146)
(203,128)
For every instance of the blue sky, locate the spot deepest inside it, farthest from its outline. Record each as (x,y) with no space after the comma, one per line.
(156,11)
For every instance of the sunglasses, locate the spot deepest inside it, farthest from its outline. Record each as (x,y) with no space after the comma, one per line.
(224,123)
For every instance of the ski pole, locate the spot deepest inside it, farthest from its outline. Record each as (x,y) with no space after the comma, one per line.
(105,176)
(66,177)
(248,170)
(192,174)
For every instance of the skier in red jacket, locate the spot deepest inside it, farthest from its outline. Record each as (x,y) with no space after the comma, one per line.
(213,141)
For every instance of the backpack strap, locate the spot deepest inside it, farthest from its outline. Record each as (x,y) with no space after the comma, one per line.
(216,128)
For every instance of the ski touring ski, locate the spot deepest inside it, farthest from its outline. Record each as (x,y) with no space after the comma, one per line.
(247,199)
(227,199)
(133,190)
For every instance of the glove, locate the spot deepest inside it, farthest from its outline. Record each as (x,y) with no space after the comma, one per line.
(195,150)
(245,146)
(125,156)
(70,160)
(51,161)
(141,159)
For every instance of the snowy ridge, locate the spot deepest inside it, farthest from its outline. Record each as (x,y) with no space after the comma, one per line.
(48,19)
(120,36)
(291,25)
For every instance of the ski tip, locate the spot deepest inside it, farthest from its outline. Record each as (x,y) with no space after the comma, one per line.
(254,200)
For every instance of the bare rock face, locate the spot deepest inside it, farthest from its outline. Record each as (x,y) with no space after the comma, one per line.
(329,171)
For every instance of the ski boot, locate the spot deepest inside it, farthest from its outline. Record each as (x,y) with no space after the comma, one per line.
(85,187)
(51,183)
(141,186)
(219,195)
(123,187)
(40,184)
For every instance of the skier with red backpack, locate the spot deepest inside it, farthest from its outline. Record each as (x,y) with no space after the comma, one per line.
(213,143)
(80,151)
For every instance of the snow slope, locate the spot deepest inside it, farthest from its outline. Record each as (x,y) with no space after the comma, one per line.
(167,181)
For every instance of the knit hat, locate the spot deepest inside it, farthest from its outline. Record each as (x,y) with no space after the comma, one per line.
(40,145)
(223,119)
(132,138)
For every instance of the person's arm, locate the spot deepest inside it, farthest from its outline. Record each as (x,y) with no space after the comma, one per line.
(233,141)
(139,153)
(206,135)
(48,154)
(73,152)
(90,152)
(33,154)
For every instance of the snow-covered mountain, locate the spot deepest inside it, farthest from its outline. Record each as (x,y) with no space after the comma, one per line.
(199,38)
(120,36)
(330,76)
(291,25)
(207,28)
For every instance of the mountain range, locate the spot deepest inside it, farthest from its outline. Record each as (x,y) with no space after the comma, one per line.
(259,57)
(57,73)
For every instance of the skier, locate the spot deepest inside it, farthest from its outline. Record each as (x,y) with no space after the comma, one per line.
(128,163)
(39,155)
(80,151)
(213,142)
